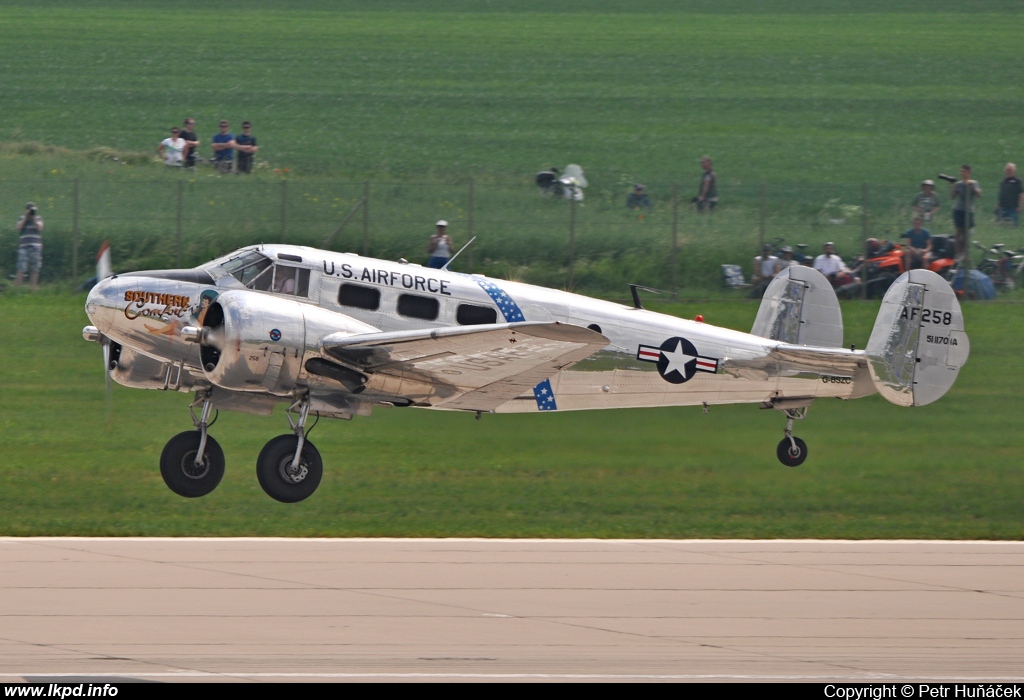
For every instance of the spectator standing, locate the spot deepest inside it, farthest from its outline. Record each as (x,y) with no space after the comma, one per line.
(707,195)
(1011,196)
(439,247)
(188,133)
(172,149)
(964,193)
(30,246)
(224,148)
(638,198)
(245,144)
(926,204)
(918,244)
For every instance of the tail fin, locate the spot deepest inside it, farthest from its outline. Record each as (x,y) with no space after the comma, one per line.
(800,308)
(918,344)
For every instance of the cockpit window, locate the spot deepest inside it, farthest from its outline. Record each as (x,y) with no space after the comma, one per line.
(248,267)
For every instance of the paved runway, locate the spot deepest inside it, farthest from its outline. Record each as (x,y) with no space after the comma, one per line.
(316,610)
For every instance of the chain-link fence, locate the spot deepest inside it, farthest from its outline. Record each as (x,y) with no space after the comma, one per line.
(597,244)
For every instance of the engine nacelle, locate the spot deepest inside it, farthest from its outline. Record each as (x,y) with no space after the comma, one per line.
(131,368)
(258,342)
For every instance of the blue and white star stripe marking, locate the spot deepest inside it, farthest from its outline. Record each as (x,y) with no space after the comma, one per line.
(510,310)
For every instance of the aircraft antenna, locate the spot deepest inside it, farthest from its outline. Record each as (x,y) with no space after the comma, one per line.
(636,296)
(452,258)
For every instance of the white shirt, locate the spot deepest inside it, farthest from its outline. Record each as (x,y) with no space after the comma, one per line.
(173,149)
(769,265)
(829,264)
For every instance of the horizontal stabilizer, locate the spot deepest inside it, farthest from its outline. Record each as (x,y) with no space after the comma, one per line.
(800,308)
(918,344)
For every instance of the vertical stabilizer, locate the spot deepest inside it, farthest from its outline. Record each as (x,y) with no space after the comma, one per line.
(800,308)
(918,344)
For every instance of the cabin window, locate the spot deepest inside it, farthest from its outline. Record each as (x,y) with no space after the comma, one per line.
(291,280)
(359,296)
(415,306)
(473,315)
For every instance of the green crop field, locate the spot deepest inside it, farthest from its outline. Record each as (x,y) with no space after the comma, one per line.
(822,117)
(74,464)
(815,100)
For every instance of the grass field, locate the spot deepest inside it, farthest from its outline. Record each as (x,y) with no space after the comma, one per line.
(74,465)
(812,98)
(789,91)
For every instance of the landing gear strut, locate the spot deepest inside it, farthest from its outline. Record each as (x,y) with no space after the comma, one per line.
(192,463)
(792,451)
(289,467)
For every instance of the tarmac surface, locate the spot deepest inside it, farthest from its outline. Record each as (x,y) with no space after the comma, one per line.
(292,610)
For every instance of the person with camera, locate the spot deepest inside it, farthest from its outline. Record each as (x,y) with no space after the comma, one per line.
(30,246)
(440,246)
(963,192)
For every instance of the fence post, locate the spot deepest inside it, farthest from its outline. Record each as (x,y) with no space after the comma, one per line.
(366,218)
(74,233)
(865,231)
(572,240)
(181,200)
(763,222)
(284,210)
(469,225)
(675,239)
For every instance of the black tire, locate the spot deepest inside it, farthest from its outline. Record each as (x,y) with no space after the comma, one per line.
(273,468)
(178,465)
(790,456)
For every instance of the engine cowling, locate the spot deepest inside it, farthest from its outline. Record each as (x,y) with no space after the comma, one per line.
(257,342)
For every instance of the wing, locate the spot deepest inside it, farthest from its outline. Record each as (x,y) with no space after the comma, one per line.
(474,368)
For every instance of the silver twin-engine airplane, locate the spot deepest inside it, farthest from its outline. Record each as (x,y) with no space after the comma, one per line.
(335,334)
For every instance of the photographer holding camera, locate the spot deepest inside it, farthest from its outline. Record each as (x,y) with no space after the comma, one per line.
(30,245)
(963,192)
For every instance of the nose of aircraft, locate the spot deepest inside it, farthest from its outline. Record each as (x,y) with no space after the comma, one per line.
(101,304)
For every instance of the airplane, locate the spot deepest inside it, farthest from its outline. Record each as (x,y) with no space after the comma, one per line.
(337,334)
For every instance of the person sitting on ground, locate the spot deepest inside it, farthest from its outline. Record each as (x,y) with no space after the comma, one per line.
(1011,197)
(766,266)
(785,258)
(926,204)
(918,245)
(638,198)
(833,267)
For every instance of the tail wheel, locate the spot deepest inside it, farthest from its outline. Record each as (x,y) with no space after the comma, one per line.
(792,454)
(279,479)
(182,473)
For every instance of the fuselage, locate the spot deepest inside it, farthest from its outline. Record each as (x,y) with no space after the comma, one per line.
(651,359)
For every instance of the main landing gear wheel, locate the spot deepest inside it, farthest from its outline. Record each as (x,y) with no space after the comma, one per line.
(792,451)
(279,475)
(180,470)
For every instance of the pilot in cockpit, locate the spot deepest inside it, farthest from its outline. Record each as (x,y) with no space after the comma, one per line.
(284,280)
